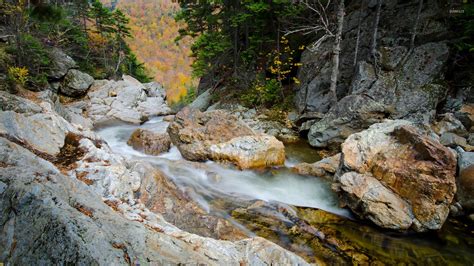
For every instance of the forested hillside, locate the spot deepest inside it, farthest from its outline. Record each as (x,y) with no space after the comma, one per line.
(35,33)
(154,31)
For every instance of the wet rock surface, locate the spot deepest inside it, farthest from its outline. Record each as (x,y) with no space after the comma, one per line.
(149,142)
(325,168)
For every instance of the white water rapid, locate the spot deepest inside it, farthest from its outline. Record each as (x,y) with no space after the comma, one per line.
(211,180)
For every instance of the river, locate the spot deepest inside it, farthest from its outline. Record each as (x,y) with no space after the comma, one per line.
(332,235)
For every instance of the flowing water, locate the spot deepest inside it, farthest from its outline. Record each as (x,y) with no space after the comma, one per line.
(210,182)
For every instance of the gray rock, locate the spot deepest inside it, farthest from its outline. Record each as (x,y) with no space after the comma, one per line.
(449,123)
(61,64)
(49,218)
(126,100)
(465,179)
(155,89)
(406,94)
(408,82)
(42,132)
(202,102)
(470,139)
(351,114)
(76,83)
(409,90)
(452,140)
(314,76)
(10,102)
(392,56)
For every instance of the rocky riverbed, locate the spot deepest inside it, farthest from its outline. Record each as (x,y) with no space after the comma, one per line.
(211,187)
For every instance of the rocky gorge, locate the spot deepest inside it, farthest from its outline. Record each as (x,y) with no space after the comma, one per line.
(108,172)
(70,181)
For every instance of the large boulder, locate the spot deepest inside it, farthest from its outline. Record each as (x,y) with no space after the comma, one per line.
(193,132)
(250,151)
(62,63)
(76,83)
(149,142)
(261,122)
(465,179)
(125,100)
(395,162)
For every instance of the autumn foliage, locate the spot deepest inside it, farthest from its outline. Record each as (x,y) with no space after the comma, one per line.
(154,31)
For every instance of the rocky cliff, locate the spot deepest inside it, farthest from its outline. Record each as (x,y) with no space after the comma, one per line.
(405,82)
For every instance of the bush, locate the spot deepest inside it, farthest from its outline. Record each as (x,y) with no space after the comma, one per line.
(262,92)
(186,99)
(32,55)
(18,75)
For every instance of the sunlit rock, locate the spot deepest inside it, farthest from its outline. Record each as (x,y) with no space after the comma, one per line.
(401,160)
(250,151)
(149,142)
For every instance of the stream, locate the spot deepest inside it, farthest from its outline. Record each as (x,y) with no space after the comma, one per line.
(316,228)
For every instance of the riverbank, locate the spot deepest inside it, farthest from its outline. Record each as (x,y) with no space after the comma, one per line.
(69,162)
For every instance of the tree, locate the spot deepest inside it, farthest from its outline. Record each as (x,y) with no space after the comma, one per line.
(373,46)
(336,51)
(231,34)
(325,27)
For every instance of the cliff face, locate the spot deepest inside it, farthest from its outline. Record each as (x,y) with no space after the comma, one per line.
(407,82)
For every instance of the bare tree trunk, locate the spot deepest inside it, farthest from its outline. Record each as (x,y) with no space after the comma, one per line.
(356,52)
(336,52)
(413,36)
(373,48)
(415,26)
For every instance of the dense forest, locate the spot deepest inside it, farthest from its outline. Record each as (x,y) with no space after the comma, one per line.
(154,30)
(90,33)
(255,46)
(236,132)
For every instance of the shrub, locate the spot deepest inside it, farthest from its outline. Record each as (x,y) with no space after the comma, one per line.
(18,75)
(262,92)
